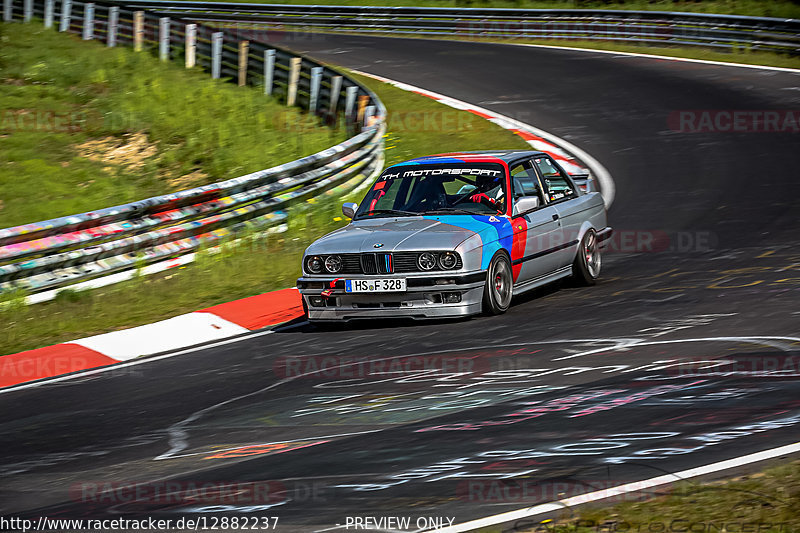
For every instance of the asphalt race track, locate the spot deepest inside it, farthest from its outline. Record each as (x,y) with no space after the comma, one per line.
(686,353)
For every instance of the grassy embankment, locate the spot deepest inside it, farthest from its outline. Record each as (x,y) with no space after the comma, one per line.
(765,502)
(181,125)
(84,127)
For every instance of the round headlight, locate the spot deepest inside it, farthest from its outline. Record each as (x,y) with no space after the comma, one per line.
(314,264)
(426,261)
(448,260)
(333,263)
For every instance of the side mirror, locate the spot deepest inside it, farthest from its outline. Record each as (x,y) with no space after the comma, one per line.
(349,209)
(526,203)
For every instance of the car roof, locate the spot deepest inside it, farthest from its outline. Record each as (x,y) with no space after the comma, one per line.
(482,156)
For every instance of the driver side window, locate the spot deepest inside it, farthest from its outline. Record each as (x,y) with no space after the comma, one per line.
(525,187)
(524,181)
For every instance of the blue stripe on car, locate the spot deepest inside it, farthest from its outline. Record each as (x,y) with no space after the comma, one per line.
(495,234)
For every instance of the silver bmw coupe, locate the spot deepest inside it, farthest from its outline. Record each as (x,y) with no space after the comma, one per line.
(454,235)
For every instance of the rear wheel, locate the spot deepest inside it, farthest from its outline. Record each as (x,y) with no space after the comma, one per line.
(588,261)
(499,286)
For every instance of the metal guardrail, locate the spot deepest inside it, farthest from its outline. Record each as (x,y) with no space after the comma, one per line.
(640,27)
(59,252)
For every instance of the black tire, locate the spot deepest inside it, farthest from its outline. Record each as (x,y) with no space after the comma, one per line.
(499,286)
(588,261)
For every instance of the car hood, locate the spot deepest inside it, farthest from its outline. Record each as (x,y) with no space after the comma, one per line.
(397,234)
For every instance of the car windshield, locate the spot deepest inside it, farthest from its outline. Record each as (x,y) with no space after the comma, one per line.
(452,188)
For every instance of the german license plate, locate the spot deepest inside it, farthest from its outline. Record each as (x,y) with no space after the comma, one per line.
(375,285)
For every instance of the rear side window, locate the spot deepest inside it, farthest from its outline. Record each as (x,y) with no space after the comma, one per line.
(555,181)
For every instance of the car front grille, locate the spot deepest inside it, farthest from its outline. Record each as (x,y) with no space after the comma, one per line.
(406,262)
(351,263)
(368,265)
(384,263)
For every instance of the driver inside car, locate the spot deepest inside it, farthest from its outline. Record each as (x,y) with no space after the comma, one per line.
(489,193)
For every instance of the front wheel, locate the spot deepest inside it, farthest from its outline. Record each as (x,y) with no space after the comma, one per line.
(499,286)
(586,267)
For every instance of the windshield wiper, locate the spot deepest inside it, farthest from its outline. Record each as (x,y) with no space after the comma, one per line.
(389,212)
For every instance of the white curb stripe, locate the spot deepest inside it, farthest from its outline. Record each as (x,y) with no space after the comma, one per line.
(134,362)
(171,334)
(655,56)
(622,489)
(544,145)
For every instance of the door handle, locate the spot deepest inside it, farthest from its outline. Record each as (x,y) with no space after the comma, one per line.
(555,217)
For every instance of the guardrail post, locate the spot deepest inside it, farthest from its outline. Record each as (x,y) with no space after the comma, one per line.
(368,114)
(8,10)
(350,102)
(191,45)
(244,51)
(216,54)
(113,25)
(163,38)
(294,77)
(49,8)
(138,30)
(316,79)
(362,104)
(336,89)
(88,21)
(269,71)
(27,10)
(66,9)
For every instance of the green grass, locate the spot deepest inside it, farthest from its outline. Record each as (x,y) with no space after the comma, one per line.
(767,501)
(417,126)
(84,127)
(774,8)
